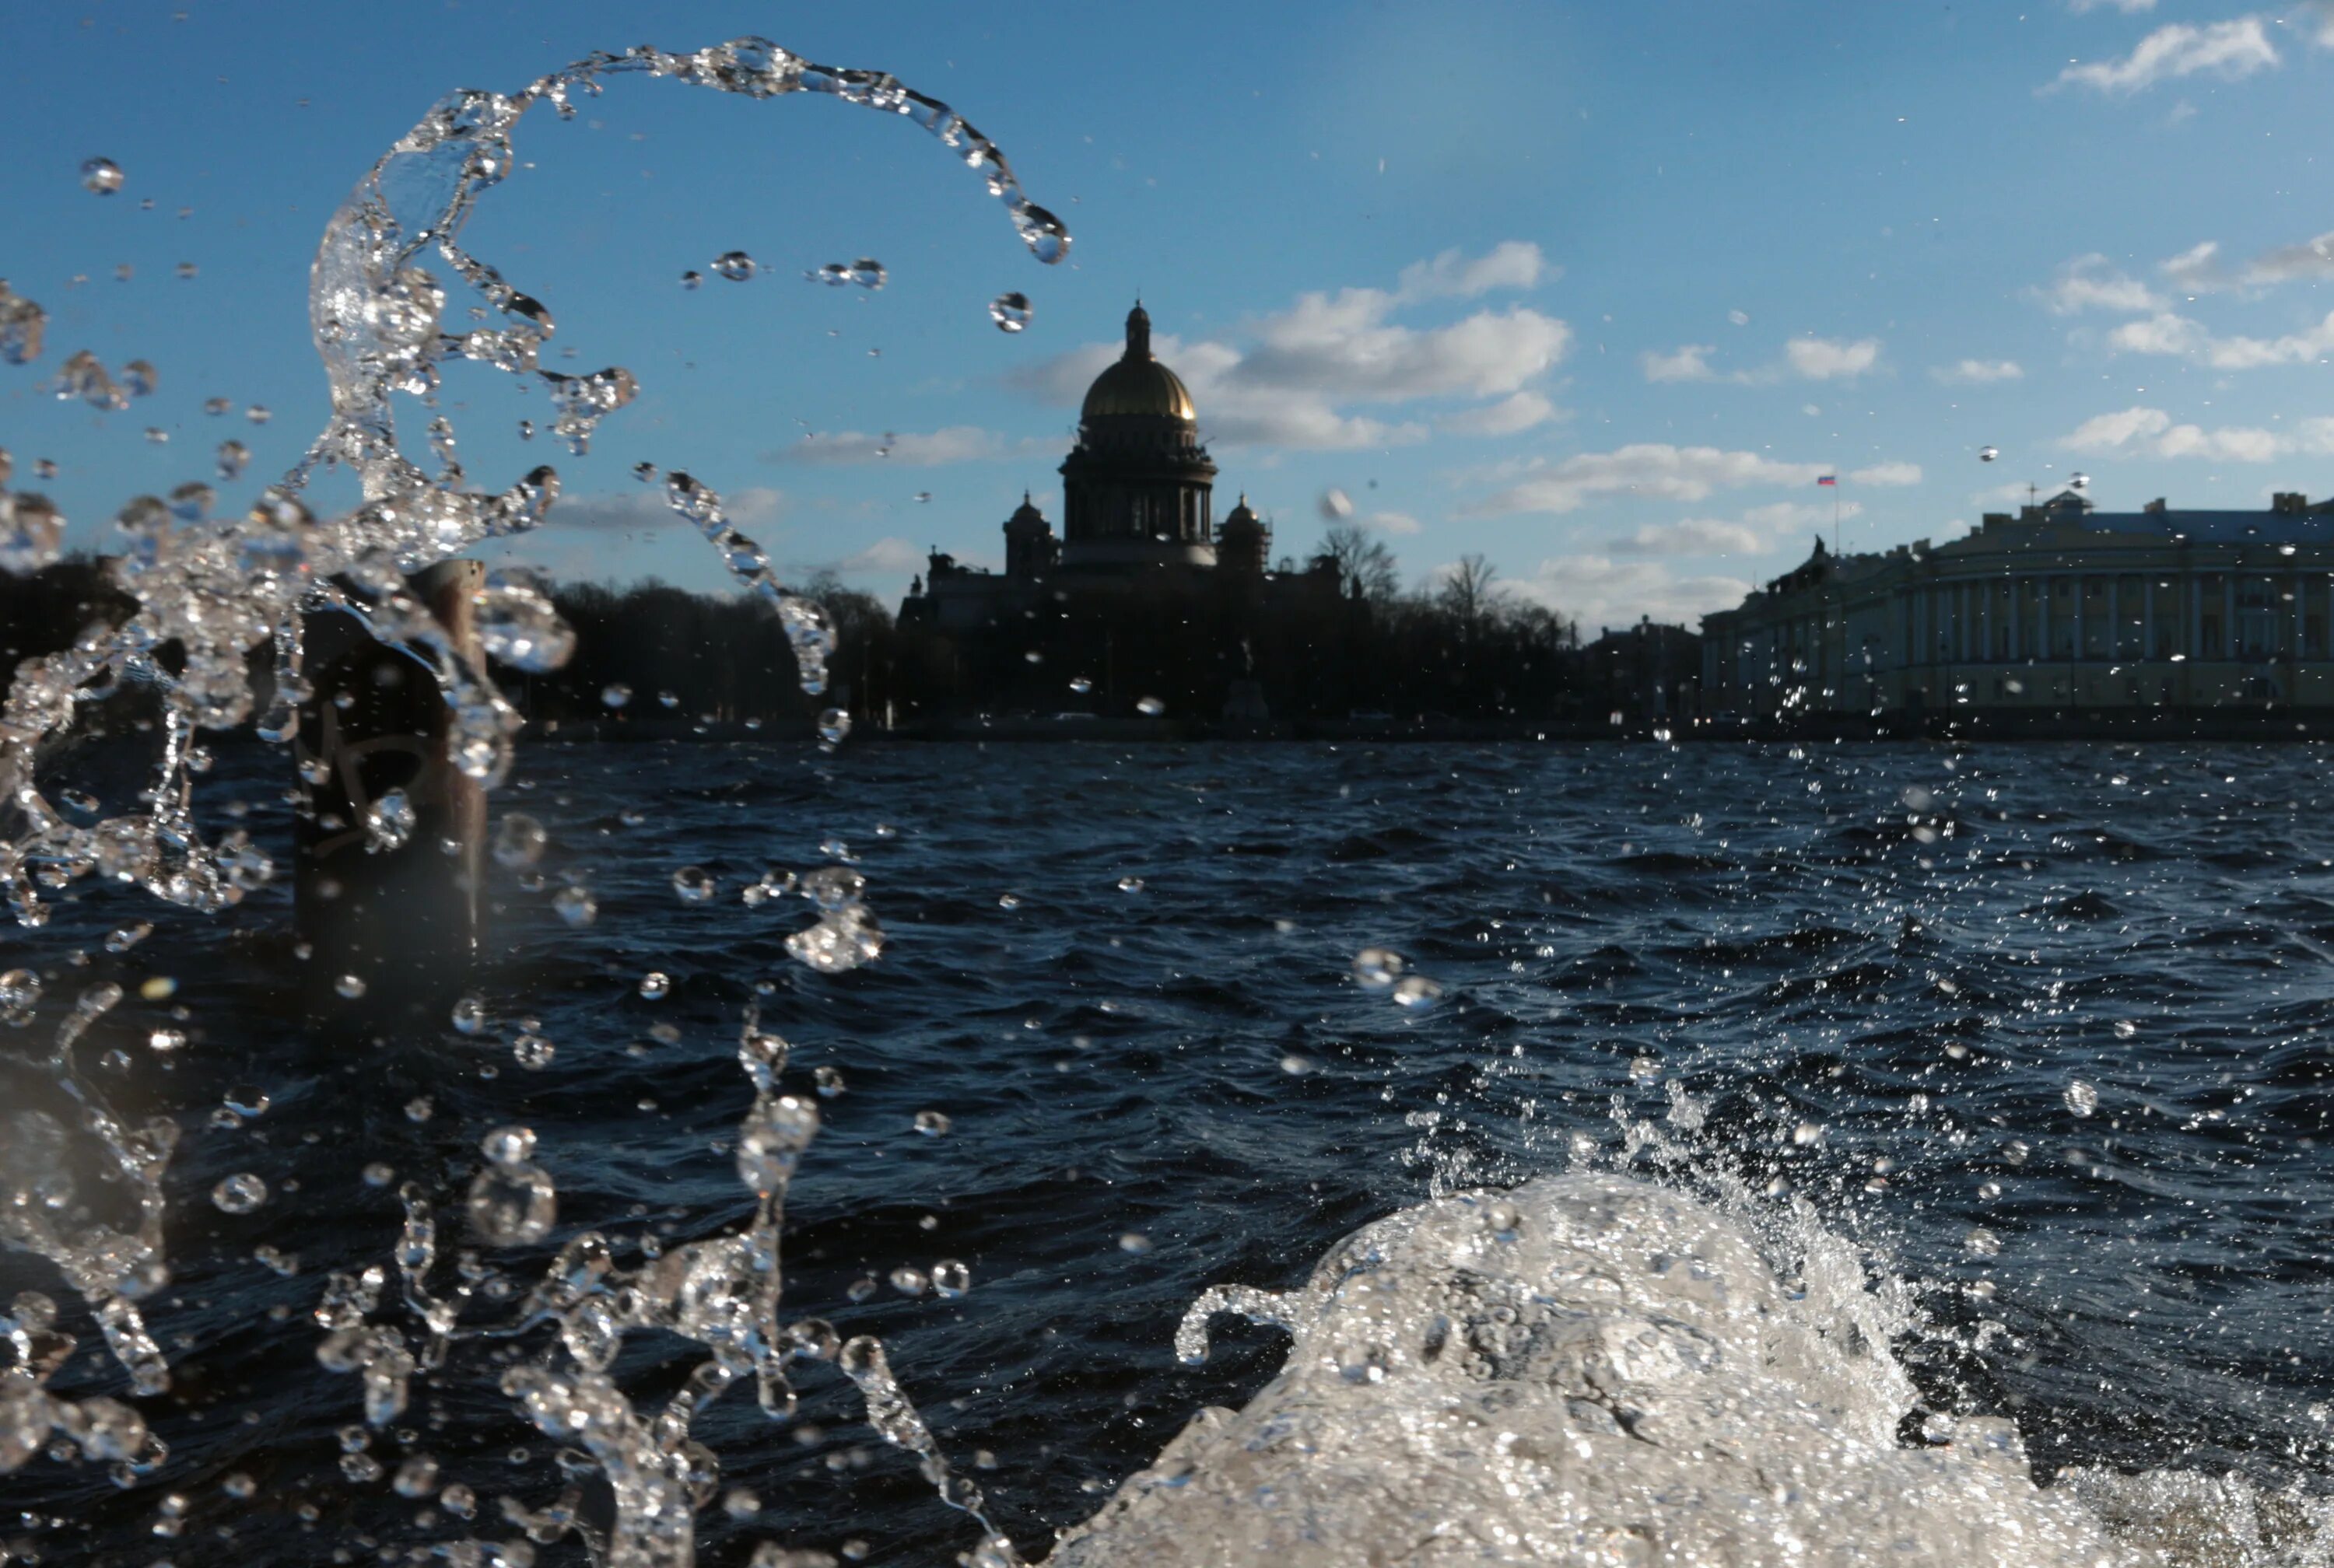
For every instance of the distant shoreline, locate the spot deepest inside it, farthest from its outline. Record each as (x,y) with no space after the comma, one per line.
(2276,725)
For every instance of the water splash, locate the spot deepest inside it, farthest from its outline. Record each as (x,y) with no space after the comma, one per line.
(213,590)
(1594,1368)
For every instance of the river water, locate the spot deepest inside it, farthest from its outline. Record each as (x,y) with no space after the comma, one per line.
(2039,1035)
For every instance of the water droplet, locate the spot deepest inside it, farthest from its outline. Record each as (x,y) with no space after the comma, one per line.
(932,1124)
(1808,1134)
(868,273)
(1982,1241)
(829,1081)
(512,1201)
(421,1109)
(695,884)
(247,1101)
(1133,1241)
(1010,312)
(350,985)
(532,1051)
(232,457)
(2078,481)
(1416,991)
(520,627)
(833,274)
(164,1041)
(1081,685)
(1335,503)
(158,436)
(257,414)
(656,984)
(2081,1098)
(389,822)
(218,406)
(908,1281)
(417,1477)
(470,1014)
(239,1193)
(616,696)
(951,1278)
(691,280)
(575,905)
(834,724)
(1149,707)
(1988,454)
(734,265)
(520,841)
(668,700)
(1378,966)
(140,378)
(188,272)
(101,175)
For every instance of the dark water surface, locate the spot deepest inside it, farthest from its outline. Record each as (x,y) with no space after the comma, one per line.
(1872,974)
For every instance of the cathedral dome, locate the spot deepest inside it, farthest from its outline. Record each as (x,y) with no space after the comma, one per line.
(1138,384)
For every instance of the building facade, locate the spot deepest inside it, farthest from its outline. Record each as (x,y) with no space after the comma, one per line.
(1138,514)
(2058,610)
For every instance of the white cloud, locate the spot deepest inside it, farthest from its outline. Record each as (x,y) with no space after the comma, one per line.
(1391,522)
(1826,359)
(1887,474)
(956,443)
(630,511)
(2181,337)
(2150,433)
(1693,536)
(1513,263)
(890,555)
(2128,7)
(1342,344)
(1646,470)
(1689,362)
(1290,384)
(1600,591)
(2091,283)
(2199,270)
(1808,358)
(1507,418)
(2313,258)
(2230,50)
(1979,372)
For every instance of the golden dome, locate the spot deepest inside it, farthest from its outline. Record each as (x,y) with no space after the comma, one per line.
(1138,384)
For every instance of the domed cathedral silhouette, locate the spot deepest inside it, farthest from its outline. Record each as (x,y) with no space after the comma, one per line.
(1140,547)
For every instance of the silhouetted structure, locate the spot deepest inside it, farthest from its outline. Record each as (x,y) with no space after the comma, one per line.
(2058,611)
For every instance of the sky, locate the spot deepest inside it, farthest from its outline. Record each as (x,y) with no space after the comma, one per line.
(1596,292)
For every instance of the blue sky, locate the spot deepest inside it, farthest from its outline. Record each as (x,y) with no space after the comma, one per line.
(1594,290)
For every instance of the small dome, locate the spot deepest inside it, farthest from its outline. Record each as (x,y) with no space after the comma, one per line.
(1138,384)
(1026,513)
(1241,516)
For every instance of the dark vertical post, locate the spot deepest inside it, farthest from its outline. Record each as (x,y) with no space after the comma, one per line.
(391,835)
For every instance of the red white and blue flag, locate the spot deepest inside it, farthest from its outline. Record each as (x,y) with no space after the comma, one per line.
(1827,479)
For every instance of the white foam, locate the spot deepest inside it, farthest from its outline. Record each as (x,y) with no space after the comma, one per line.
(1593,1370)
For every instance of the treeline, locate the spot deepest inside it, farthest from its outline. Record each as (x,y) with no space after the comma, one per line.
(651,651)
(1342,638)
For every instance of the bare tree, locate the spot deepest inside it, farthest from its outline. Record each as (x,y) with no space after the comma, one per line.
(1465,592)
(1365,567)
